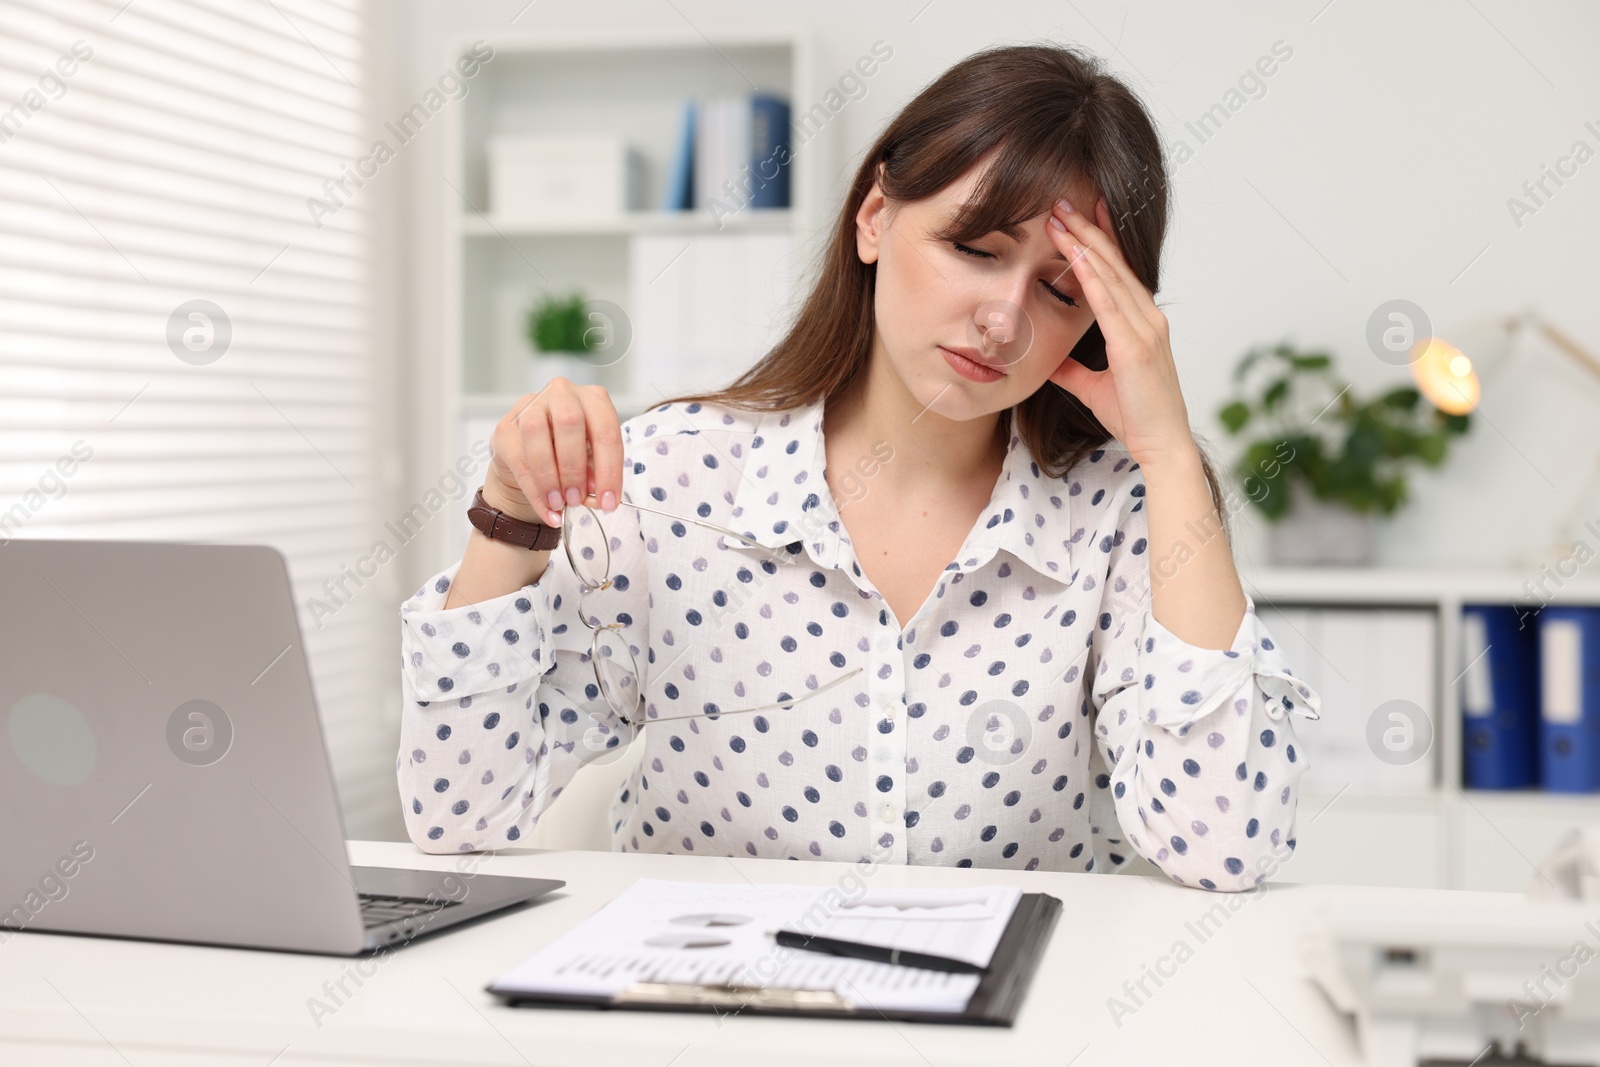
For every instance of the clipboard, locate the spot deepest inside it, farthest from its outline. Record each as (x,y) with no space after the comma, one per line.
(995,1002)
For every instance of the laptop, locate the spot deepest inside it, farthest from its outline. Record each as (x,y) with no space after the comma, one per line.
(163,770)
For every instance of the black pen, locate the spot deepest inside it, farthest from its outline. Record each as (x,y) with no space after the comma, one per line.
(877,953)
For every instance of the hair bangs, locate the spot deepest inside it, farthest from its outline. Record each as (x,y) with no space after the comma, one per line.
(1030,172)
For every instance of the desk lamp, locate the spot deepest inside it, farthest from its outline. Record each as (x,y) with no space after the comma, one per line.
(1449,379)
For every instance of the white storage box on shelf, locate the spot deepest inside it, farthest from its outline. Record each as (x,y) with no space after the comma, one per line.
(1376,669)
(579,178)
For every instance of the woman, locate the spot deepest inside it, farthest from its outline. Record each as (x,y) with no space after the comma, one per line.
(891,594)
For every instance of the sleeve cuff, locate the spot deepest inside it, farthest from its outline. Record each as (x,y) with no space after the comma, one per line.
(475,647)
(1184,683)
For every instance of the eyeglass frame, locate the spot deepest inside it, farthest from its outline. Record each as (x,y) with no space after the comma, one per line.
(615,627)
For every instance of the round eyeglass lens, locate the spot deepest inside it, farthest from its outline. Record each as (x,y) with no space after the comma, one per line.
(614,667)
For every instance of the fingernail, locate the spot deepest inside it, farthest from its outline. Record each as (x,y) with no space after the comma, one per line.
(555,501)
(1065,205)
(553,518)
(608,501)
(1057,224)
(573,496)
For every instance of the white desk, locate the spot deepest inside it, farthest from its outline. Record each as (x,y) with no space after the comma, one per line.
(1241,998)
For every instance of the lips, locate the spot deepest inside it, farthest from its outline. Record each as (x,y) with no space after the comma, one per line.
(971,364)
(976,357)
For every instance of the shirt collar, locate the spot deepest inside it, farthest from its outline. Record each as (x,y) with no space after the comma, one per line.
(783,498)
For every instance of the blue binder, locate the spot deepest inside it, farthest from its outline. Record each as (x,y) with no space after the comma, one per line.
(678,193)
(769,151)
(1569,699)
(1499,699)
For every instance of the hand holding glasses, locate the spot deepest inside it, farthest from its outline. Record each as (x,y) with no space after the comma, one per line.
(553,456)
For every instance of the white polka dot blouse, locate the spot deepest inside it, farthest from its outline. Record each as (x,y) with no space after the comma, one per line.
(1033,714)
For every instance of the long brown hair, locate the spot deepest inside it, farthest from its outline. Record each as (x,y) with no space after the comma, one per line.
(1055,116)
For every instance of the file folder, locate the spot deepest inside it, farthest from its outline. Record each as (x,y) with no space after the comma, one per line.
(1500,698)
(678,191)
(1569,698)
(769,151)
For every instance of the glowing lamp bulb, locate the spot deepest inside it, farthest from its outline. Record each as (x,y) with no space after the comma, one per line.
(1445,376)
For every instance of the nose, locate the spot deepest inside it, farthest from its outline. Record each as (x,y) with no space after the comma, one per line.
(1000,326)
(1002,317)
(999,319)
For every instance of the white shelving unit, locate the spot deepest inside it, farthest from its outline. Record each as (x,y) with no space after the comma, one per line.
(491,271)
(633,85)
(1449,837)
(690,222)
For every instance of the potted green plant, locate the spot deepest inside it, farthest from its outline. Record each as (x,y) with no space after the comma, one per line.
(561,336)
(1322,464)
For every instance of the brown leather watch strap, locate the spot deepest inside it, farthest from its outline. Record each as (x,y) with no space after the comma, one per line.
(497,525)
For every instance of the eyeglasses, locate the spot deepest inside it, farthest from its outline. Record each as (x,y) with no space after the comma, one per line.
(616,672)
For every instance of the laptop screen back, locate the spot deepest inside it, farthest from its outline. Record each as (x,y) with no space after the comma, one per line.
(162,766)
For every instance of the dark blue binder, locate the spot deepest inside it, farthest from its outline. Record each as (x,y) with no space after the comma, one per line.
(678,194)
(1569,699)
(1499,699)
(769,151)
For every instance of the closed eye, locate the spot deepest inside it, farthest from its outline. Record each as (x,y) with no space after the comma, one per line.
(1060,296)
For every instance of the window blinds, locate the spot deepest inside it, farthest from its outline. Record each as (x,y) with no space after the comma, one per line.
(184,347)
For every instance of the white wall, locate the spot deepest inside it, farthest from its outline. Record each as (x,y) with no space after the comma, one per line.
(1376,165)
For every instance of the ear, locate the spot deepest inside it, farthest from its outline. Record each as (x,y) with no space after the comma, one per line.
(871,221)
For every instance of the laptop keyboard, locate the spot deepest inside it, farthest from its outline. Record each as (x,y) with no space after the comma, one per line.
(377,908)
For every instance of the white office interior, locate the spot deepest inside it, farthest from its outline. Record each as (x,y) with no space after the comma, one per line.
(339,191)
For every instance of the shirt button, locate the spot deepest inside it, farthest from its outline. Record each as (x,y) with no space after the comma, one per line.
(887,813)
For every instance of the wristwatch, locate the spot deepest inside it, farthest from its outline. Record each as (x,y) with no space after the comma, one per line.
(497,525)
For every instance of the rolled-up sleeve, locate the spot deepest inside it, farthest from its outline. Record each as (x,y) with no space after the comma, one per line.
(1201,747)
(500,705)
